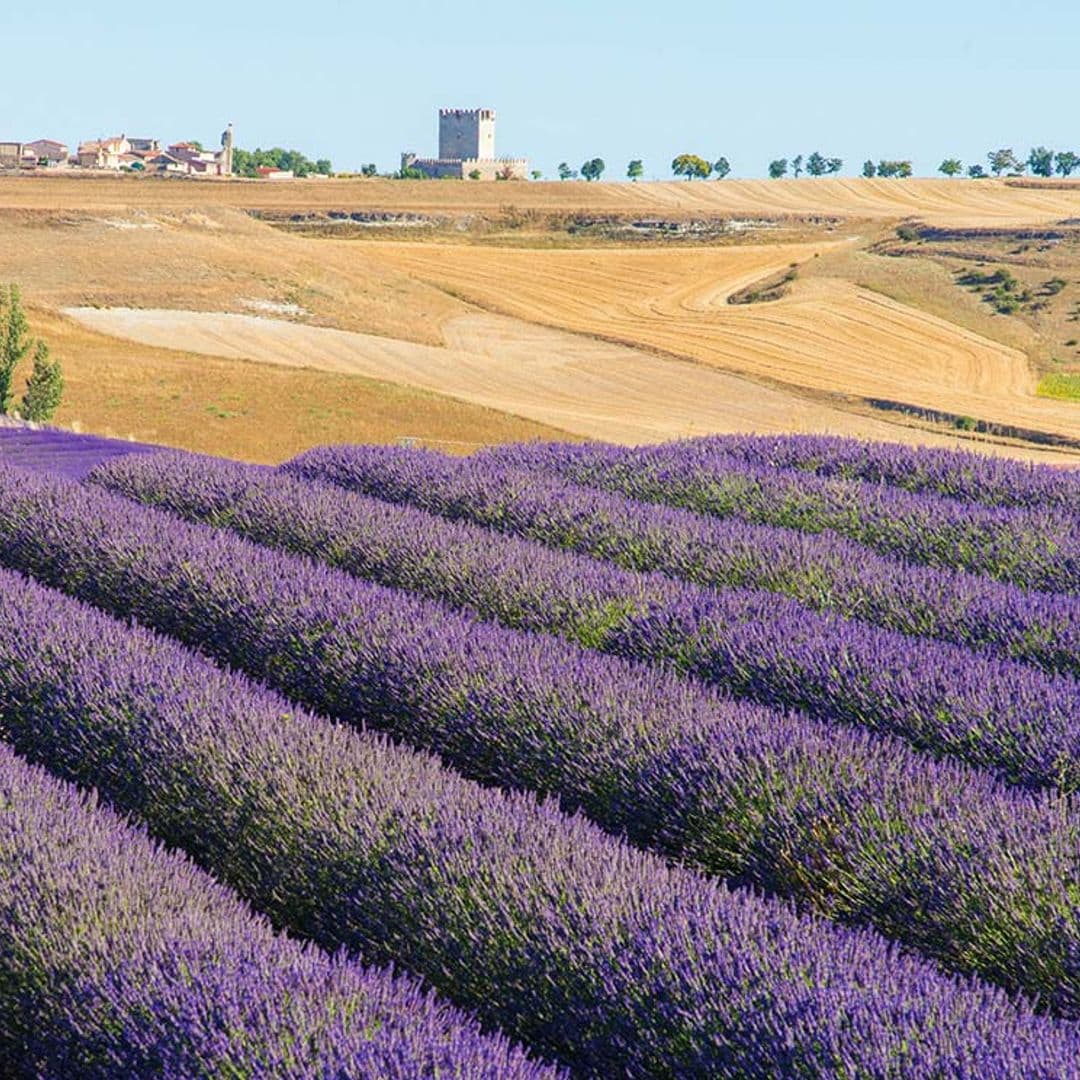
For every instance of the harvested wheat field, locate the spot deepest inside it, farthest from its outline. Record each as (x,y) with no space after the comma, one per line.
(584,387)
(956,202)
(827,336)
(175,282)
(253,411)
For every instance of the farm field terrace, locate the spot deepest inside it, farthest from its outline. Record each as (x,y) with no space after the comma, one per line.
(257,320)
(554,759)
(968,204)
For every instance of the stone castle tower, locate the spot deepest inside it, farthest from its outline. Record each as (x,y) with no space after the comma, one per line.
(466,134)
(467,150)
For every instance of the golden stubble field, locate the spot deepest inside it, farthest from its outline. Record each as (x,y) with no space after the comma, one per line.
(827,335)
(955,202)
(336,339)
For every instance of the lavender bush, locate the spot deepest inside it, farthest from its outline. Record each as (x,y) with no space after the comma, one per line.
(62,452)
(855,825)
(957,474)
(618,962)
(824,573)
(118,958)
(1034,548)
(992,713)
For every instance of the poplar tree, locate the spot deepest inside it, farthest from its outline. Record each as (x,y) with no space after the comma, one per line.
(14,341)
(44,388)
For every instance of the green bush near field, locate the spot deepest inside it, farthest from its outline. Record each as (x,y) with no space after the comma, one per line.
(1061,385)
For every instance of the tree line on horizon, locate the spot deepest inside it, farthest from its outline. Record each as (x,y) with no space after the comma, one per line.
(248,162)
(1041,161)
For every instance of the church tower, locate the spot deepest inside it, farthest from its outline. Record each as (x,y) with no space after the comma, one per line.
(226,155)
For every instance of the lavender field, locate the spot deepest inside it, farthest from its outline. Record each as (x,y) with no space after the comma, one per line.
(736,757)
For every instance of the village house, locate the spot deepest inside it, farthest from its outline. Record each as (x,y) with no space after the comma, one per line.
(47,152)
(120,152)
(103,153)
(164,162)
(195,161)
(266,172)
(11,154)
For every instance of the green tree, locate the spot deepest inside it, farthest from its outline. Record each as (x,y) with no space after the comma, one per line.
(248,162)
(369,169)
(869,170)
(834,165)
(593,169)
(565,172)
(1066,162)
(635,170)
(951,167)
(1041,161)
(474,174)
(44,388)
(536,174)
(890,169)
(1003,160)
(976,172)
(15,341)
(691,166)
(796,166)
(778,168)
(816,164)
(721,167)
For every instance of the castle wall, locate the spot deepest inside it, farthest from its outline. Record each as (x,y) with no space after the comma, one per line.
(437,168)
(496,168)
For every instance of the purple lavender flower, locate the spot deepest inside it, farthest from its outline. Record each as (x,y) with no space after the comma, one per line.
(992,713)
(957,474)
(604,955)
(849,823)
(62,452)
(823,572)
(1034,548)
(119,958)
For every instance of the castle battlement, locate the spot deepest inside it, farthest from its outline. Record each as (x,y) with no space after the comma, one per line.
(469,114)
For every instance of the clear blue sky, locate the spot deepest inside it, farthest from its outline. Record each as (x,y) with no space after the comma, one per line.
(570,79)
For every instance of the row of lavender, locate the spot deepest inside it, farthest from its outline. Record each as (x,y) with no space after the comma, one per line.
(957,474)
(853,825)
(603,955)
(122,959)
(1010,717)
(63,452)
(1033,547)
(822,572)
